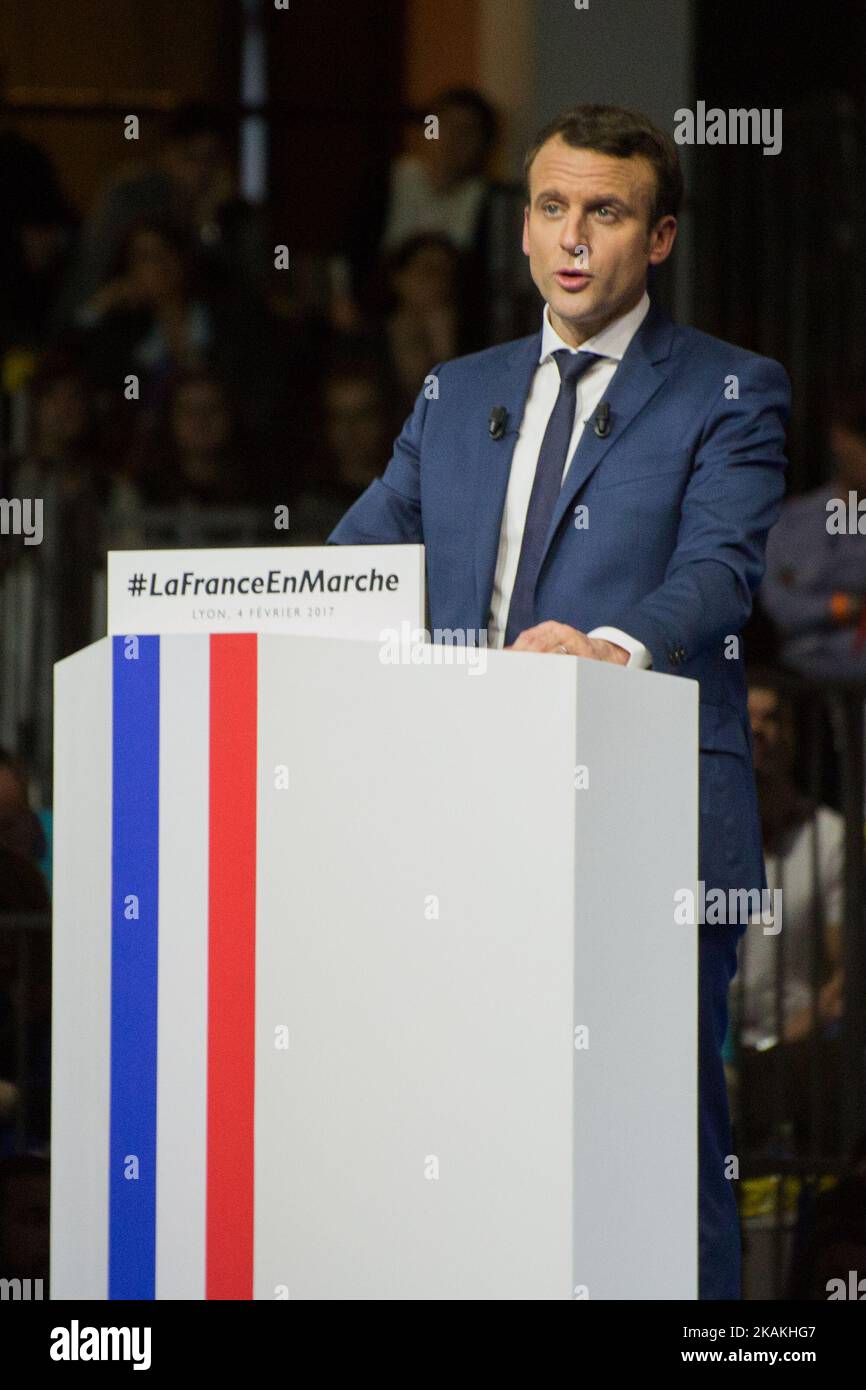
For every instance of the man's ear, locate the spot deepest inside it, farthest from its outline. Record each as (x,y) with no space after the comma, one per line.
(526,230)
(662,240)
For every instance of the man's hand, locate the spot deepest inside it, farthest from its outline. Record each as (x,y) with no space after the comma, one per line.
(567,641)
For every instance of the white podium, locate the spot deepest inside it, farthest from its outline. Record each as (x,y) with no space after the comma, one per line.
(367,983)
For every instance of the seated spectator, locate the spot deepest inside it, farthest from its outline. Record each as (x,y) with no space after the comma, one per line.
(193,453)
(155,319)
(357,428)
(804,856)
(20,830)
(815,583)
(423,323)
(148,319)
(23,890)
(37,227)
(191,185)
(64,468)
(444,191)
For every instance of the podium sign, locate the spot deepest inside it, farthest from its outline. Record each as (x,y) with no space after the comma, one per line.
(323,590)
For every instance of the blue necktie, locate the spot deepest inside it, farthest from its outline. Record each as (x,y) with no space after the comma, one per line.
(545,489)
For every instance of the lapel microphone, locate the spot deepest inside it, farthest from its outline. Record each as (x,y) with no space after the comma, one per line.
(601,420)
(497,422)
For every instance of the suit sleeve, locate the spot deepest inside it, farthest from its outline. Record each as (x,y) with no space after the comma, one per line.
(389,512)
(733,497)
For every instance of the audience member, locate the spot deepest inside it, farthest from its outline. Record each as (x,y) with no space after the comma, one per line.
(65,470)
(37,227)
(790,976)
(193,455)
(191,185)
(814,589)
(423,321)
(356,429)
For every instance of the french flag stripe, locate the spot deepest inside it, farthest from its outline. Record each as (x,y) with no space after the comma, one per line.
(134,958)
(231,966)
(183,951)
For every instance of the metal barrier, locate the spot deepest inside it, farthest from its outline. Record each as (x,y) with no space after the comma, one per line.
(828,1067)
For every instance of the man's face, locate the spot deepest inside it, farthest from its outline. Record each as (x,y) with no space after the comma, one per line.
(200,420)
(194,163)
(355,427)
(582,199)
(16,819)
(764,717)
(849,452)
(461,147)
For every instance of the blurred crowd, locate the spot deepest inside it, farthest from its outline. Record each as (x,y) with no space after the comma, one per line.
(158,351)
(156,361)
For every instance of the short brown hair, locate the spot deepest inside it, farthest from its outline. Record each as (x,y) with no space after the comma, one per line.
(615,131)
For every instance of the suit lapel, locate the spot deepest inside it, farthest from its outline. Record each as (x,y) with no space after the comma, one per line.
(635,382)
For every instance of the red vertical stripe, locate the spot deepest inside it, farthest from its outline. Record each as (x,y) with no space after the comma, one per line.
(231,966)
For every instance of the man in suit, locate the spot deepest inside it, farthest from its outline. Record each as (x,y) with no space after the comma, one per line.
(604,489)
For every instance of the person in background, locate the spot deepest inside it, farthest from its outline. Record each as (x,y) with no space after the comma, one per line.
(23,890)
(804,846)
(423,323)
(64,467)
(37,230)
(356,427)
(190,184)
(149,319)
(814,590)
(445,190)
(156,317)
(192,454)
(20,829)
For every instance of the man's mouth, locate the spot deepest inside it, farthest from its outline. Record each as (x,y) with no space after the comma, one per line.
(572,279)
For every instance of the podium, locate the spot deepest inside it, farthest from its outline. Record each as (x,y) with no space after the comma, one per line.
(367,978)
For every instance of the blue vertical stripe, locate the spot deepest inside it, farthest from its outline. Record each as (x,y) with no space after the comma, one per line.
(134,942)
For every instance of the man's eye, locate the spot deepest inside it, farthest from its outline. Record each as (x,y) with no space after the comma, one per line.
(610,213)
(548,206)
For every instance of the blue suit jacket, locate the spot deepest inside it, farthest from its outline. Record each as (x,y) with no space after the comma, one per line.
(680,497)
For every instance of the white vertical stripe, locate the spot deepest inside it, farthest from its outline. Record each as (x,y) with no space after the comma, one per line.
(183,940)
(81,1008)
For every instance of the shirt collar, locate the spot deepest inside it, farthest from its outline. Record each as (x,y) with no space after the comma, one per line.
(611,342)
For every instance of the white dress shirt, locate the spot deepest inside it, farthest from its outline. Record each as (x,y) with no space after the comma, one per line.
(610,344)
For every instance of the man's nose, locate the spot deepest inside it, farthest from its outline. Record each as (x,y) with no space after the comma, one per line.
(573,236)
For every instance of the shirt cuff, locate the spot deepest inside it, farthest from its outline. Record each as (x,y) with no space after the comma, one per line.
(639,655)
